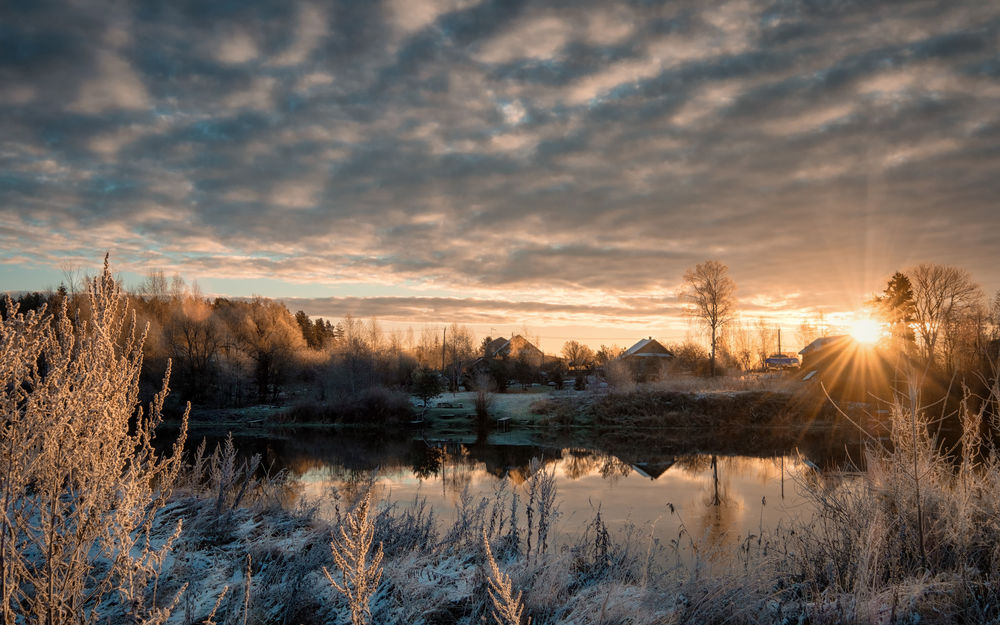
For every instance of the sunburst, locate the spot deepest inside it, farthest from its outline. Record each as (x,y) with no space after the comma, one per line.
(865,330)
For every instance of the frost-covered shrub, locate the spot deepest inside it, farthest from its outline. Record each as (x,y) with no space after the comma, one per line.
(359,576)
(80,481)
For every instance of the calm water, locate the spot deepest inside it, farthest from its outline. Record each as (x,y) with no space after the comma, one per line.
(723,498)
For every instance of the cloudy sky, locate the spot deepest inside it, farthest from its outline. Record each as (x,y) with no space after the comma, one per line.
(556,165)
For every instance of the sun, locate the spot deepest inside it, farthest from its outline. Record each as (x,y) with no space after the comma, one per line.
(865,330)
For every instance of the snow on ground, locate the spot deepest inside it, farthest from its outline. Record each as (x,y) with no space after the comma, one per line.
(514,405)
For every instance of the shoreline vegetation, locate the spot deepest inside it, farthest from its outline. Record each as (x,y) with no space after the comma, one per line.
(651,418)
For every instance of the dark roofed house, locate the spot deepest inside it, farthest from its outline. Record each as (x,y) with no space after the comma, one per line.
(822,343)
(647,359)
(515,348)
(497,348)
(504,360)
(849,370)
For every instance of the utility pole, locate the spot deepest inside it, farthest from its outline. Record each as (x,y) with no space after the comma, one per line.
(444,341)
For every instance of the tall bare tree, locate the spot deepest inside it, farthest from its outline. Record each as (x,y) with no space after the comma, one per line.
(711,294)
(941,294)
(461,349)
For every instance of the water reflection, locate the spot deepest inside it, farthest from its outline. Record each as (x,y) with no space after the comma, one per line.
(719,497)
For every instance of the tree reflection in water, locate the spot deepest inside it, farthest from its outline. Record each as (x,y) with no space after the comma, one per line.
(716,495)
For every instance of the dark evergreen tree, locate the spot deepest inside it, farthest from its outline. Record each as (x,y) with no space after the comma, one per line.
(426,384)
(307,328)
(895,306)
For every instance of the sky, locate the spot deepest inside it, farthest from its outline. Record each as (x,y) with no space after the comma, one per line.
(549,166)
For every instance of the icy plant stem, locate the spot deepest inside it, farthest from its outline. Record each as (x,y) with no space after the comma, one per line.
(359,577)
(916,476)
(508,609)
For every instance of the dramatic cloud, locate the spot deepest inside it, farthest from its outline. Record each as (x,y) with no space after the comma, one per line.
(551,162)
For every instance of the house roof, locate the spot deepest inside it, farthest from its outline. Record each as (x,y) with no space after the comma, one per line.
(647,348)
(497,346)
(823,342)
(519,343)
(513,346)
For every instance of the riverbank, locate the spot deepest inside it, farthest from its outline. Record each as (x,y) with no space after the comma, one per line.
(654,419)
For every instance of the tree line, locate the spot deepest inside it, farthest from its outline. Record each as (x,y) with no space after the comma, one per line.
(230,352)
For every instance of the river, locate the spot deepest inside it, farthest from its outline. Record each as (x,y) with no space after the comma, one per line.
(714,497)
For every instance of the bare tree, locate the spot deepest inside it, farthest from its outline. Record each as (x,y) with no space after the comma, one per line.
(941,294)
(711,294)
(576,353)
(964,337)
(194,339)
(460,350)
(767,338)
(606,354)
(741,346)
(268,334)
(428,349)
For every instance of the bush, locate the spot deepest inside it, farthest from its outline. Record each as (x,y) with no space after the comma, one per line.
(311,412)
(376,405)
(619,376)
(80,482)
(379,404)
(690,357)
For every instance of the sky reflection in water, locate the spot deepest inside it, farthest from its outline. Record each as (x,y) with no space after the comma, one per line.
(721,498)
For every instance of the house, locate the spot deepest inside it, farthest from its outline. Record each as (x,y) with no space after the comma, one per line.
(504,359)
(647,348)
(821,344)
(849,370)
(515,348)
(647,359)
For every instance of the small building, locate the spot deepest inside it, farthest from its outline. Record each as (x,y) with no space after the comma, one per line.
(647,359)
(822,343)
(849,370)
(781,361)
(516,348)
